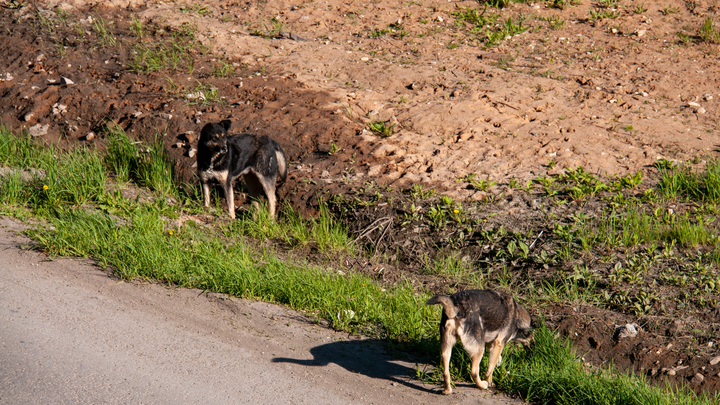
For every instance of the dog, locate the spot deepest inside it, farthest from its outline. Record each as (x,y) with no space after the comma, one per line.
(478,318)
(222,158)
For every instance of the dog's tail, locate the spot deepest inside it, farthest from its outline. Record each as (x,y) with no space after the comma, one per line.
(447,304)
(282,165)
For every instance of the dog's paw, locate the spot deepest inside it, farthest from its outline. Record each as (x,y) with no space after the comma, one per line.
(483,385)
(447,391)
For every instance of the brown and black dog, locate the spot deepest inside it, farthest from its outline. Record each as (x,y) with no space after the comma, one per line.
(479,317)
(258,158)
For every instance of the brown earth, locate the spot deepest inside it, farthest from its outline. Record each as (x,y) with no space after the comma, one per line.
(611,95)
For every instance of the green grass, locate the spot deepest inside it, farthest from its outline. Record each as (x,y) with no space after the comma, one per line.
(104,33)
(485,27)
(176,52)
(76,195)
(551,374)
(683,182)
(142,247)
(147,166)
(708,32)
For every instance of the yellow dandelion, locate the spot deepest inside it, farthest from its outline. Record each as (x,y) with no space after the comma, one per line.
(171,232)
(45,187)
(456,211)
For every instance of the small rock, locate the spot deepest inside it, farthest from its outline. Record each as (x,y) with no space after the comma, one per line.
(190,136)
(364,59)
(641,33)
(59,109)
(166,116)
(192,152)
(439,18)
(708,97)
(715,360)
(90,136)
(198,95)
(700,110)
(66,81)
(693,104)
(325,174)
(670,371)
(28,116)
(697,379)
(136,114)
(38,130)
(625,331)
(40,57)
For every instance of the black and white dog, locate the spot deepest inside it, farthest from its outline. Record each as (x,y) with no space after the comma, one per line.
(258,158)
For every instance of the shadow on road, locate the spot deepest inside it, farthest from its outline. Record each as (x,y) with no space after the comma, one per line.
(363,357)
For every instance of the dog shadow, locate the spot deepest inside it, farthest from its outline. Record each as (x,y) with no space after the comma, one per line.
(364,357)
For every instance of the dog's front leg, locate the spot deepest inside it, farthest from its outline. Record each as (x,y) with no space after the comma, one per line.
(206,193)
(230,197)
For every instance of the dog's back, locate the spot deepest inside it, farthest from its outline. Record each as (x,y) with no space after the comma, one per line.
(259,152)
(497,310)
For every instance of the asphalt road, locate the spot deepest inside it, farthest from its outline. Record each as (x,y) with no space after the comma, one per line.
(72,334)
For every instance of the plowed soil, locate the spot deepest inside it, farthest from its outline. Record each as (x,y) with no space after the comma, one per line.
(612,95)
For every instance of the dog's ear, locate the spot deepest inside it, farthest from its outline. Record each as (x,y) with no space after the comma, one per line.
(226,124)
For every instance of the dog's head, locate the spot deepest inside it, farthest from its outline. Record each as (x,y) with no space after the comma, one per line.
(214,137)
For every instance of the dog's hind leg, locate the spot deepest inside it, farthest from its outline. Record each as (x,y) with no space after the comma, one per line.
(496,349)
(257,186)
(269,189)
(255,189)
(447,341)
(476,350)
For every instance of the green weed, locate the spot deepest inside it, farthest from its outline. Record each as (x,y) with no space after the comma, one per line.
(107,38)
(382,129)
(597,14)
(561,4)
(708,32)
(196,9)
(269,31)
(14,5)
(225,69)
(475,183)
(555,22)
